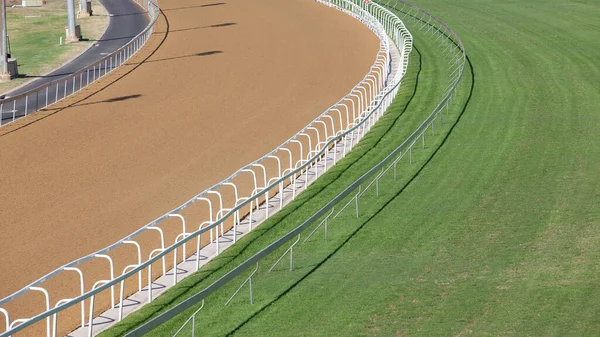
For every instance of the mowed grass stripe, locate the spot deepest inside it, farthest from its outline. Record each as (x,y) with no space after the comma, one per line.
(415,101)
(499,234)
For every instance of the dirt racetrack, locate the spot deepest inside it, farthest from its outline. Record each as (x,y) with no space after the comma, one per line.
(219,85)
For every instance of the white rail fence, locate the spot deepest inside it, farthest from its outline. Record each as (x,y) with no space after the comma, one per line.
(47,94)
(452,49)
(339,129)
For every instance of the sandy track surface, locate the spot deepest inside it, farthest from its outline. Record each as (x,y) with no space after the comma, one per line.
(183,115)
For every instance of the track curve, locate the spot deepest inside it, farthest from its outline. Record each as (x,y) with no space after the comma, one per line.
(122,153)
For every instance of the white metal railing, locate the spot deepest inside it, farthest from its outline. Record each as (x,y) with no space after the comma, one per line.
(47,94)
(451,48)
(348,119)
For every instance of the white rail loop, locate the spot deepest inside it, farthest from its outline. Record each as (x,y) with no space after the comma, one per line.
(365,103)
(39,98)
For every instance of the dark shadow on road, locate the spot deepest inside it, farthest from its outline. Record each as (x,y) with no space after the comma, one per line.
(218,25)
(221,25)
(111,100)
(126,14)
(199,6)
(114,38)
(44,76)
(206,53)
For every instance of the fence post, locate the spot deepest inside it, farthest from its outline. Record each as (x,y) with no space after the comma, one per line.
(249,281)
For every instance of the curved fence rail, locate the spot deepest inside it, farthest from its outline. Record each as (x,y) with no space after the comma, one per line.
(451,48)
(338,129)
(47,94)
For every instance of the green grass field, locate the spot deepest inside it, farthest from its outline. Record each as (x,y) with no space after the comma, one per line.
(493,231)
(39,28)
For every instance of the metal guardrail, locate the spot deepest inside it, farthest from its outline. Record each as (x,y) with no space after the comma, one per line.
(452,46)
(382,103)
(39,98)
(361,108)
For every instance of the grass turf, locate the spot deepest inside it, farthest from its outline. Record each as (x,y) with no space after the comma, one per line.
(34,29)
(496,235)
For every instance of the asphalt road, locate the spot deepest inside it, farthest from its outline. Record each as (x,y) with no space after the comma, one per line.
(126,21)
